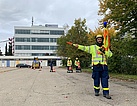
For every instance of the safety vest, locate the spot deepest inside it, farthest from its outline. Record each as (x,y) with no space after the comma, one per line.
(69,62)
(97,57)
(77,62)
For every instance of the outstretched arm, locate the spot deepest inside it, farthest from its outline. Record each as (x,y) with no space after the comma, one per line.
(87,49)
(70,43)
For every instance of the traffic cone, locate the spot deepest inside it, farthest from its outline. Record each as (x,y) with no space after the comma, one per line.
(70,68)
(54,69)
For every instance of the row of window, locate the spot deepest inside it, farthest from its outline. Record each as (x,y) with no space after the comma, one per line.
(35,39)
(43,32)
(34,47)
(43,54)
(35,54)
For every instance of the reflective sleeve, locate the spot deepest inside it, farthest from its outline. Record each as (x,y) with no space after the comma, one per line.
(88,49)
(108,53)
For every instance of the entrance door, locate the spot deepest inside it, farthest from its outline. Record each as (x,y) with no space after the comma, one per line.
(8,63)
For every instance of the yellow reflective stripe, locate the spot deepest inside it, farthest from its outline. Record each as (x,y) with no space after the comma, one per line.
(95,50)
(98,60)
(96,87)
(105,88)
(96,63)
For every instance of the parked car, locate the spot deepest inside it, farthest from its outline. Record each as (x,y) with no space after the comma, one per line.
(22,65)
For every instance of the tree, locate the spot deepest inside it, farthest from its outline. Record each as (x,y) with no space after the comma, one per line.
(6,52)
(10,47)
(10,50)
(0,53)
(77,35)
(124,59)
(91,35)
(120,13)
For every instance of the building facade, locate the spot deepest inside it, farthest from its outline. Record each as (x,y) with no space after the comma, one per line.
(37,41)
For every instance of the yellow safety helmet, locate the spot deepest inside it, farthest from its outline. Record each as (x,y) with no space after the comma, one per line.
(76,58)
(99,36)
(69,58)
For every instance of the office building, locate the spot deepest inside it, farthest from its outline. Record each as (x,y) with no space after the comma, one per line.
(36,40)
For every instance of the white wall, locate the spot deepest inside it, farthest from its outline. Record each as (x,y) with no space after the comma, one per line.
(13,63)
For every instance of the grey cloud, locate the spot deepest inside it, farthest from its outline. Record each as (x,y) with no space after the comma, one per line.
(20,12)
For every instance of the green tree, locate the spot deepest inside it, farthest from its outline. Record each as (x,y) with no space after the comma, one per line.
(77,35)
(120,13)
(1,53)
(124,59)
(6,52)
(10,50)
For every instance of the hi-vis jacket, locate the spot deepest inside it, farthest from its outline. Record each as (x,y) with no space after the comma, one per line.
(77,62)
(69,62)
(97,57)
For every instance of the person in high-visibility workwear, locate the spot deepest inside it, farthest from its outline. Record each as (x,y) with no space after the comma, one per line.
(51,65)
(99,63)
(77,64)
(69,64)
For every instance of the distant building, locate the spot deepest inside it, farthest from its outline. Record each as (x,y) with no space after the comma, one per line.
(36,40)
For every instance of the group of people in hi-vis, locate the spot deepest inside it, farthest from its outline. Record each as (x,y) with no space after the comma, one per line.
(76,63)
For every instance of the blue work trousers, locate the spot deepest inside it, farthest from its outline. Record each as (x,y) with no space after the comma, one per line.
(100,74)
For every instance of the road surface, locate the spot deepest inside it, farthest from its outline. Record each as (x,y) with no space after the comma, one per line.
(27,87)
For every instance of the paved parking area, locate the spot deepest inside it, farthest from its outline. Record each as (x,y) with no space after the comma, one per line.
(6,69)
(28,87)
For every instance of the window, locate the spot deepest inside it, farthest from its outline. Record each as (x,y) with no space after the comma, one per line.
(22,39)
(22,47)
(26,47)
(56,32)
(53,47)
(53,54)
(53,39)
(38,54)
(44,32)
(39,39)
(22,31)
(17,47)
(42,39)
(40,47)
(33,39)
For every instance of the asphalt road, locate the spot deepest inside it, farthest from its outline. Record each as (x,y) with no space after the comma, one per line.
(27,87)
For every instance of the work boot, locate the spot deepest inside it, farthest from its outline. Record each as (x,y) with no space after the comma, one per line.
(107,96)
(96,94)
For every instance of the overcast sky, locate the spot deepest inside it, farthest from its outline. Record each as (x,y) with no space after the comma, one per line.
(20,12)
